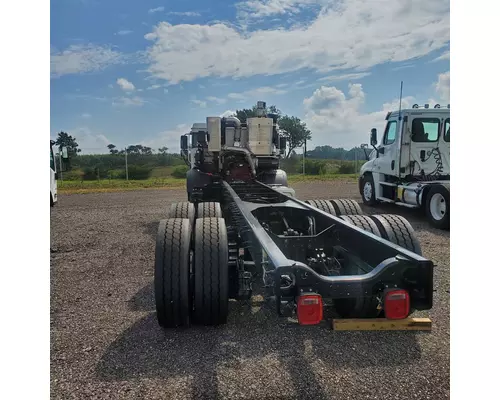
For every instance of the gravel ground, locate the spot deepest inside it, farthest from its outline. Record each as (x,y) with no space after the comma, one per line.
(105,342)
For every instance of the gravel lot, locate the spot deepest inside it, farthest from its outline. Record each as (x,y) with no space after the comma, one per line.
(105,341)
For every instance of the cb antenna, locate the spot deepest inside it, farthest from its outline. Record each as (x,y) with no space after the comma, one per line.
(400,99)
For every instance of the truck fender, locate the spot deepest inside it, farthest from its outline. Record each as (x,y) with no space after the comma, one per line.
(196,179)
(423,194)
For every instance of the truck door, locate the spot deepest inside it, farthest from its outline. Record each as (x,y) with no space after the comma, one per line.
(404,149)
(444,145)
(386,163)
(424,145)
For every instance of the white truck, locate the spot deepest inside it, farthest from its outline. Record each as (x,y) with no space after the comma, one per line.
(411,166)
(53,176)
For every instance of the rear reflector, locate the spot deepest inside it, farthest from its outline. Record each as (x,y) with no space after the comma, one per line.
(396,304)
(309,309)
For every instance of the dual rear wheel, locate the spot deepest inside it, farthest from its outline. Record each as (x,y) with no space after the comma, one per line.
(337,207)
(191,267)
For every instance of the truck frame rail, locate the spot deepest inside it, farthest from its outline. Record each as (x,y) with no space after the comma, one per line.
(384,264)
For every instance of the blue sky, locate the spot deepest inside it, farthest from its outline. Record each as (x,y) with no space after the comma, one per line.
(126,72)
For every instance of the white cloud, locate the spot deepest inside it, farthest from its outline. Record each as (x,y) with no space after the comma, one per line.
(228,113)
(356,34)
(337,119)
(345,77)
(217,100)
(201,103)
(86,115)
(155,10)
(267,8)
(185,13)
(444,56)
(153,87)
(126,85)
(252,93)
(405,66)
(123,32)
(128,101)
(88,141)
(442,87)
(169,138)
(78,59)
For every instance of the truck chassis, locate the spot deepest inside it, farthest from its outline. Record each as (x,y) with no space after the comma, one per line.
(314,259)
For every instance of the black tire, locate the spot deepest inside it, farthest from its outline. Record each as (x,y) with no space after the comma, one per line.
(346,207)
(182,210)
(360,307)
(171,280)
(209,209)
(323,205)
(362,221)
(443,197)
(367,198)
(397,230)
(51,201)
(211,279)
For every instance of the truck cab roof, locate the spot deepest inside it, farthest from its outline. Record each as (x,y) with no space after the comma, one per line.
(419,111)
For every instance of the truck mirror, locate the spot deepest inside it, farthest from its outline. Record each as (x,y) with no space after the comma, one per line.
(373,137)
(184,142)
(282,144)
(64,151)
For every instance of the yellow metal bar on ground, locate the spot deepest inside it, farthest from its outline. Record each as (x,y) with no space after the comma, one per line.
(382,324)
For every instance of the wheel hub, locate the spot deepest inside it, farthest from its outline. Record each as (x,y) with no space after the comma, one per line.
(367,191)
(437,206)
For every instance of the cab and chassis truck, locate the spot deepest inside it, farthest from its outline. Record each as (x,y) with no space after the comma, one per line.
(243,227)
(411,166)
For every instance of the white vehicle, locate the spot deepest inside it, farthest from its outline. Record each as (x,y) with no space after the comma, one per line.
(53,176)
(238,148)
(411,167)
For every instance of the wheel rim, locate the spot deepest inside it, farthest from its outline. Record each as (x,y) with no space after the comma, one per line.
(367,191)
(437,206)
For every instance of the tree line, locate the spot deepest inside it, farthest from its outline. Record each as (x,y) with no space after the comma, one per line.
(296,132)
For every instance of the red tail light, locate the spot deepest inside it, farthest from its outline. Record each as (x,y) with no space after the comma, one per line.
(396,304)
(309,309)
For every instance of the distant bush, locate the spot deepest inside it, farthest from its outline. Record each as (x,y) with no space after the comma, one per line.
(347,168)
(180,171)
(89,174)
(73,175)
(315,167)
(116,174)
(291,165)
(137,173)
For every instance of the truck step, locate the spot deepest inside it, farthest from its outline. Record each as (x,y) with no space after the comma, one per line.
(388,184)
(405,205)
(385,199)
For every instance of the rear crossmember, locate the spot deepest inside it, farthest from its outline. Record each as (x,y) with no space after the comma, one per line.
(307,258)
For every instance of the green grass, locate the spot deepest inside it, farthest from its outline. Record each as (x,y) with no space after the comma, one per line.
(111,185)
(118,185)
(327,177)
(161,172)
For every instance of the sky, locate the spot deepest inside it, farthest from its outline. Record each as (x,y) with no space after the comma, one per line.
(130,72)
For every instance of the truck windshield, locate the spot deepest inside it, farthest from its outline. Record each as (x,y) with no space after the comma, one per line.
(446,136)
(425,130)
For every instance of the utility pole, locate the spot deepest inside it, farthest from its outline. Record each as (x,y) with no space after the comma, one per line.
(304,158)
(126,164)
